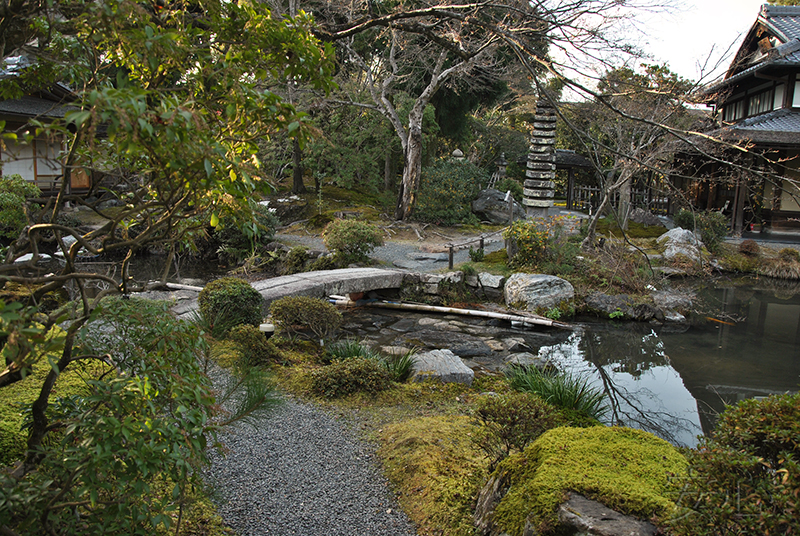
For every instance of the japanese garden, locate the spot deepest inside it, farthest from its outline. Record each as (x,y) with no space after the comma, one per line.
(386,268)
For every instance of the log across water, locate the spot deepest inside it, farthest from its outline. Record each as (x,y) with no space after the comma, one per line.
(527,320)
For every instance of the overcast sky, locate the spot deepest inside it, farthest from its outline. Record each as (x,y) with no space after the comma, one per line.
(685,37)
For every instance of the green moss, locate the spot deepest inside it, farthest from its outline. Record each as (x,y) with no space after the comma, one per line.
(14,397)
(607,227)
(437,470)
(623,468)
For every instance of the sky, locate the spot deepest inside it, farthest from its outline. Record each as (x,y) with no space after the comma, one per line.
(685,37)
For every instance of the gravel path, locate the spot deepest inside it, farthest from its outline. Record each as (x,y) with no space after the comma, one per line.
(299,471)
(406,255)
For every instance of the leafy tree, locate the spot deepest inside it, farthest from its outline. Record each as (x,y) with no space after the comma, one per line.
(422,51)
(170,104)
(626,127)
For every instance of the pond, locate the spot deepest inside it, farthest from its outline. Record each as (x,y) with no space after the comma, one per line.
(743,341)
(670,379)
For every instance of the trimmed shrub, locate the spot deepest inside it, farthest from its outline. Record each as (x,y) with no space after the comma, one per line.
(256,349)
(745,478)
(323,262)
(355,375)
(749,248)
(351,240)
(293,314)
(509,422)
(13,191)
(228,302)
(712,226)
(447,190)
(295,261)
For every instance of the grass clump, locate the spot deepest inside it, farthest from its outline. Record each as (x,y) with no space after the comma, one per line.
(625,469)
(565,390)
(399,367)
(438,472)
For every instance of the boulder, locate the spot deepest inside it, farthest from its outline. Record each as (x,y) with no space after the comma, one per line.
(492,281)
(537,291)
(527,359)
(443,365)
(491,205)
(590,517)
(681,243)
(603,303)
(672,299)
(644,217)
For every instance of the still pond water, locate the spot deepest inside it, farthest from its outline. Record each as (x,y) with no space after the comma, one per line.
(744,342)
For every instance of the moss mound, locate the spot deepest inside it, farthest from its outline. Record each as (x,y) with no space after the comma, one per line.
(625,469)
(17,397)
(437,469)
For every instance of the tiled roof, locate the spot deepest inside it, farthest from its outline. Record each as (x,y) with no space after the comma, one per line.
(33,107)
(779,120)
(784,22)
(785,19)
(778,128)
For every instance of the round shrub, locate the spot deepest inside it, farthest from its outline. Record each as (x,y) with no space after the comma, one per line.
(256,349)
(295,261)
(749,248)
(789,254)
(355,375)
(745,478)
(351,240)
(13,191)
(228,302)
(293,314)
(447,190)
(510,421)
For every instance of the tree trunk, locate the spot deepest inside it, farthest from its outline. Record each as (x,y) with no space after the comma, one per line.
(412,170)
(624,208)
(297,175)
(388,172)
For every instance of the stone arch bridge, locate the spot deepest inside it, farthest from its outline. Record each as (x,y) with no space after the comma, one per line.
(319,284)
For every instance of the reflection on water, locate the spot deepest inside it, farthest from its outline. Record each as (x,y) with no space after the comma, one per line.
(674,382)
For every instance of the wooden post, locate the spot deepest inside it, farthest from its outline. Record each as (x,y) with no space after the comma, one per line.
(450,258)
(481,246)
(570,187)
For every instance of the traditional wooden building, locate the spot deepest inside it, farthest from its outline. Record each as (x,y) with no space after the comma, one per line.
(41,159)
(757,105)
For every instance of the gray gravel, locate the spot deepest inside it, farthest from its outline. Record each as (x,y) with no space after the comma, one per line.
(405,255)
(300,471)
